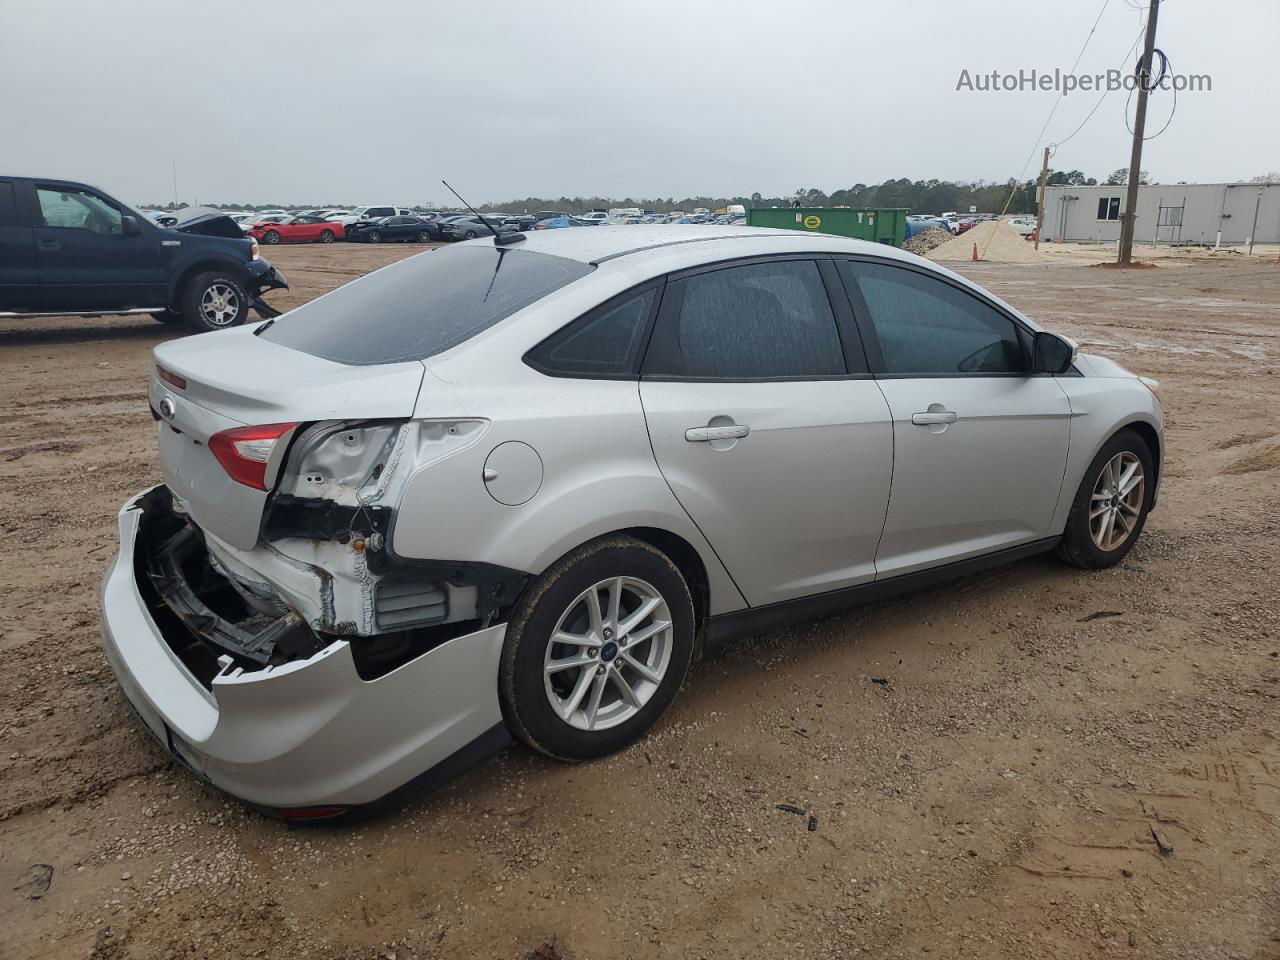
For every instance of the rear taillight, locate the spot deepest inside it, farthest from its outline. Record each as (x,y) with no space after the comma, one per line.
(245,451)
(171,378)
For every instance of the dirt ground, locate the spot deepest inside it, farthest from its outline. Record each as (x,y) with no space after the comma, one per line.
(1060,764)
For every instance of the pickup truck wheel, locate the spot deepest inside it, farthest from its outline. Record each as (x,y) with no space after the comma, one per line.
(271,236)
(215,301)
(327,237)
(167,316)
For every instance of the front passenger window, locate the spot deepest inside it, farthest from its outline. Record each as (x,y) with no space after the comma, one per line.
(77,209)
(926,326)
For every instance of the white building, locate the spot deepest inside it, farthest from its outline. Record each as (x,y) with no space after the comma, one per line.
(1195,213)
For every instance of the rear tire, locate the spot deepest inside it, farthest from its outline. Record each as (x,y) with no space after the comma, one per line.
(327,236)
(214,301)
(584,699)
(1111,505)
(424,236)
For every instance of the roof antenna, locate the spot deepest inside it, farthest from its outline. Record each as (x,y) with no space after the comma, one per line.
(499,239)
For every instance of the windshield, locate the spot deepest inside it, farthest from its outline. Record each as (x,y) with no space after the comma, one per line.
(422,306)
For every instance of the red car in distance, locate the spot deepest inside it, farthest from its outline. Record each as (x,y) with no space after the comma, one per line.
(297,230)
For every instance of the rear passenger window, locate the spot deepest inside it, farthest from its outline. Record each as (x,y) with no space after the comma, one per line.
(753,322)
(604,344)
(926,326)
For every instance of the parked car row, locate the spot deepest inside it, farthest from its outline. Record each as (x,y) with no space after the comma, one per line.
(378,224)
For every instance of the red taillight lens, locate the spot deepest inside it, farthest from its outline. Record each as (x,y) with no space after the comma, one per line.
(245,451)
(168,376)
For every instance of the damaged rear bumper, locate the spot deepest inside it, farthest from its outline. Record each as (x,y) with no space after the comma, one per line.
(307,733)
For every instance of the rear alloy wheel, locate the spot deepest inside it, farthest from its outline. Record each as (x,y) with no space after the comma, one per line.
(214,301)
(271,236)
(327,236)
(597,650)
(1111,505)
(424,236)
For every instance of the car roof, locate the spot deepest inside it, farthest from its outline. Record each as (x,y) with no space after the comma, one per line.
(694,243)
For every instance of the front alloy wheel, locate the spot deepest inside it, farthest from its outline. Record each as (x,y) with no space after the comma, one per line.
(1117,501)
(220,305)
(608,653)
(1111,504)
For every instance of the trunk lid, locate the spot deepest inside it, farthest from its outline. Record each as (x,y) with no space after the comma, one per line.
(234,379)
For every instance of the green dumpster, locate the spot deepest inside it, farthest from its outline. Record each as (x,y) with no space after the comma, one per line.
(886,225)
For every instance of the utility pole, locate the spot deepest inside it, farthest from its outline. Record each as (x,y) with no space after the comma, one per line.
(1139,129)
(1044,178)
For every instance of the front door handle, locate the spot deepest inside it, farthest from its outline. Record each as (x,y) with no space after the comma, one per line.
(706,434)
(934,416)
(50,245)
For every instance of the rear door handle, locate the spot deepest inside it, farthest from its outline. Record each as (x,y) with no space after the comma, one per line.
(50,245)
(705,434)
(934,416)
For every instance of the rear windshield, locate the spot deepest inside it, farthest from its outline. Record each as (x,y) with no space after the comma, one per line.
(422,306)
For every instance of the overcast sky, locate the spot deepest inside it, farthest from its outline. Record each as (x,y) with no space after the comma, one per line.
(294,101)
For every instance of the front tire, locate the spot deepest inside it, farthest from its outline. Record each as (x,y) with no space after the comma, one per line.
(214,301)
(1111,506)
(597,649)
(374,236)
(271,236)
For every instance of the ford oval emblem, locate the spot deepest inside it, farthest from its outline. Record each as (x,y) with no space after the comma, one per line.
(167,409)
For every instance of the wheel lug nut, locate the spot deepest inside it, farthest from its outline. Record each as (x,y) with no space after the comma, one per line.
(592,653)
(600,670)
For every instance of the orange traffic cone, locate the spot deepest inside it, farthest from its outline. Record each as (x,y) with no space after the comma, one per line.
(975,251)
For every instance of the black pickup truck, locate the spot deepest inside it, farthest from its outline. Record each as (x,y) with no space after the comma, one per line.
(68,248)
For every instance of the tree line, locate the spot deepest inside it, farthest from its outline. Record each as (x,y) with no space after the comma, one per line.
(919,196)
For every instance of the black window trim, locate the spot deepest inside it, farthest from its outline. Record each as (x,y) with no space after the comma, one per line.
(657,284)
(851,343)
(15,195)
(871,339)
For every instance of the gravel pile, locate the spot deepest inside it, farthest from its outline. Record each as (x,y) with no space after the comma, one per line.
(926,240)
(996,240)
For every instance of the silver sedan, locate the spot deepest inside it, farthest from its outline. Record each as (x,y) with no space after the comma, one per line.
(510,489)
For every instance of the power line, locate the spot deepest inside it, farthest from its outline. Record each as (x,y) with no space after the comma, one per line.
(1049,119)
(1058,100)
(1105,93)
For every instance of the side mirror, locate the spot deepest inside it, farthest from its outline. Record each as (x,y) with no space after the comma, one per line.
(1051,353)
(129,226)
